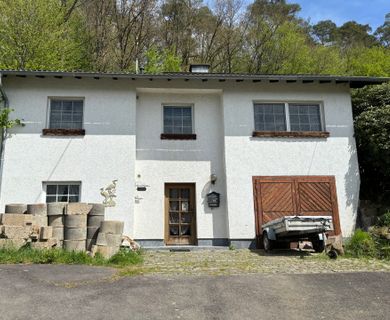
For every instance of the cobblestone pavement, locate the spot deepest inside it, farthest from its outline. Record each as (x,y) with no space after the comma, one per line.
(230,262)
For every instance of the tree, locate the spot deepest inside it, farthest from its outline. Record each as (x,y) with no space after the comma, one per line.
(162,61)
(352,34)
(256,36)
(34,35)
(178,21)
(372,129)
(120,32)
(231,36)
(132,30)
(374,61)
(265,19)
(383,32)
(325,32)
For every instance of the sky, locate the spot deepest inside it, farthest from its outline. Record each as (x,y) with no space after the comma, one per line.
(370,12)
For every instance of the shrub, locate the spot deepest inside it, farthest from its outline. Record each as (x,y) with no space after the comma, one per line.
(361,245)
(384,220)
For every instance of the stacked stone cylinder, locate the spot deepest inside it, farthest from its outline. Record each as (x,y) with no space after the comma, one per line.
(95,218)
(39,213)
(23,223)
(55,215)
(75,226)
(109,238)
(72,226)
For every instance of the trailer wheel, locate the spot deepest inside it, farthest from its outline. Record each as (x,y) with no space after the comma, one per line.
(318,245)
(268,244)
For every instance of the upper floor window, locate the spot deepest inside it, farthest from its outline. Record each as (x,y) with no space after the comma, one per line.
(305,117)
(288,117)
(270,117)
(289,120)
(66,113)
(178,120)
(62,192)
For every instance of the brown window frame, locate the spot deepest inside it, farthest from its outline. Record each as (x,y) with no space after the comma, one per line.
(178,136)
(288,133)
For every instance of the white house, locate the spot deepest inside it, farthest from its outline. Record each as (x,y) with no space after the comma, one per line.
(266,145)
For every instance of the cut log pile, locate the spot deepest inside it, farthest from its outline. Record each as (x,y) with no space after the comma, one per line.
(72,226)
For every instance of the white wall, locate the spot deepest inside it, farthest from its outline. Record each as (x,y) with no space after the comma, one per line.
(247,156)
(106,152)
(123,140)
(163,161)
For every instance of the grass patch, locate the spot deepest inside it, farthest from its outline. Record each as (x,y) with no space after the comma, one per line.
(59,256)
(361,245)
(368,244)
(124,258)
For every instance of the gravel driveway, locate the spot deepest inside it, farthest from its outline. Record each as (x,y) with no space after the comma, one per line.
(227,262)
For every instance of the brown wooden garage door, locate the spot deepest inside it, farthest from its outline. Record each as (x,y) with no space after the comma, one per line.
(276,197)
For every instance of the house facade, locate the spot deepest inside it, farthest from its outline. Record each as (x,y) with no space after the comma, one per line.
(196,158)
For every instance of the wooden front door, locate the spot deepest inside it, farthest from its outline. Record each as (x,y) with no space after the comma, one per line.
(180,223)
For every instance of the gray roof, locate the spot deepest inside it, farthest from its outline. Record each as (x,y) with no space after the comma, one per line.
(353,81)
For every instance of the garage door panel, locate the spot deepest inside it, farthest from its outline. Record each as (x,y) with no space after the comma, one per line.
(314,197)
(277,197)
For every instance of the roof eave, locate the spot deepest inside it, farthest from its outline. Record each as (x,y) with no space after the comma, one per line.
(353,81)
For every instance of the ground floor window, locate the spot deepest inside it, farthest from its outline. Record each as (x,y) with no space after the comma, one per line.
(62,192)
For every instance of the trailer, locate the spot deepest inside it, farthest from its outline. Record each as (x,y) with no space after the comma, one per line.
(297,228)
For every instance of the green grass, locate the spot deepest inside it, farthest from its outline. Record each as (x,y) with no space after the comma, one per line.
(361,245)
(368,245)
(59,256)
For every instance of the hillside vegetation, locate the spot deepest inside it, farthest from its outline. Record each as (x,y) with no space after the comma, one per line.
(265,36)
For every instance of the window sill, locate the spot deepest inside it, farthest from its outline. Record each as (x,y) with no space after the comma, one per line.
(63,132)
(293,134)
(176,136)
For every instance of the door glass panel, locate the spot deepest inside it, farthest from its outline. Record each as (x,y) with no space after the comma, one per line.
(174,230)
(173,205)
(185,193)
(173,217)
(185,217)
(184,206)
(174,193)
(185,230)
